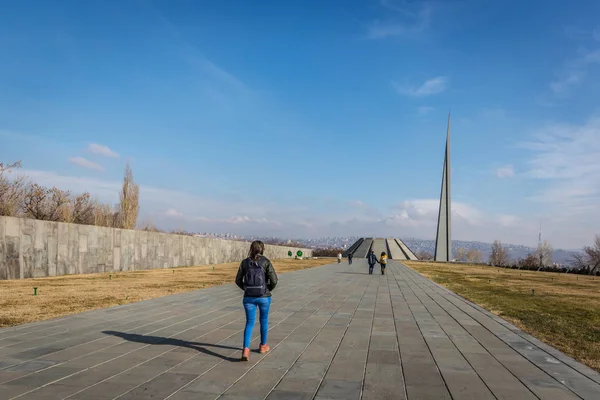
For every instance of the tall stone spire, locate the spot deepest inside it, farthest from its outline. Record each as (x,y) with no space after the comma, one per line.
(443,240)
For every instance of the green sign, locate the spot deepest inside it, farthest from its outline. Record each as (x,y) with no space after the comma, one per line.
(290,253)
(299,253)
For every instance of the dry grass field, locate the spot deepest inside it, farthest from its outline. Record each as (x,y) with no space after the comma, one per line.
(563,311)
(70,294)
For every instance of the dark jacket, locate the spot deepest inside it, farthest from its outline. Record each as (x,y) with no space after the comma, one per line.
(372,259)
(270,274)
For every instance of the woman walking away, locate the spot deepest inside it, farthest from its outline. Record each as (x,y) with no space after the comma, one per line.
(256,277)
(383,262)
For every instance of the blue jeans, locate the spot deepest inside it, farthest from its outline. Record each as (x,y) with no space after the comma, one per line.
(250,305)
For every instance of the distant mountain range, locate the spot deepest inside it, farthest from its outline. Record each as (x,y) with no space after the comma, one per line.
(559,256)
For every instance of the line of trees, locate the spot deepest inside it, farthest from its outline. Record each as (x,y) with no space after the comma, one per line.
(324,252)
(19,197)
(587,262)
(470,256)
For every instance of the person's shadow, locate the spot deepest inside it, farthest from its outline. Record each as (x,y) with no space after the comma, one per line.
(158,340)
(352,273)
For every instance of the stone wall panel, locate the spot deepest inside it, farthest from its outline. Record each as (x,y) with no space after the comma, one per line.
(32,248)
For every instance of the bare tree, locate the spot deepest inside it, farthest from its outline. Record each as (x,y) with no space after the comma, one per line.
(531,261)
(461,254)
(83,209)
(590,258)
(20,197)
(148,226)
(11,190)
(104,215)
(46,204)
(474,256)
(499,254)
(544,254)
(128,207)
(180,231)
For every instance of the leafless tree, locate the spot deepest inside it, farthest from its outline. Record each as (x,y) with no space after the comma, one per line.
(544,254)
(20,197)
(461,254)
(46,204)
(104,215)
(83,209)
(499,255)
(180,231)
(590,258)
(531,261)
(148,226)
(474,256)
(11,190)
(128,207)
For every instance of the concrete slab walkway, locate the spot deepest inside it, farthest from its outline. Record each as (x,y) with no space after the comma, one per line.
(335,331)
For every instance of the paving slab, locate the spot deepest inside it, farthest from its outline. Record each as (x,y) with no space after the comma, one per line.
(335,333)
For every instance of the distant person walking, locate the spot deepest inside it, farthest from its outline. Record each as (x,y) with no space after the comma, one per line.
(383,262)
(257,278)
(371,260)
(350,255)
(339,258)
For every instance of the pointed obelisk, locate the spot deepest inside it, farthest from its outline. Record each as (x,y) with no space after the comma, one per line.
(443,240)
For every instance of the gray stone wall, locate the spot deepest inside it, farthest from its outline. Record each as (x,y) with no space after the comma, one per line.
(31,249)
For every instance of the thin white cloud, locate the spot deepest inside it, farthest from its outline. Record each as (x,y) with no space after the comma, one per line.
(429,87)
(358,204)
(85,163)
(505,172)
(379,30)
(425,212)
(171,212)
(509,220)
(565,157)
(419,218)
(561,86)
(574,73)
(102,150)
(402,22)
(238,219)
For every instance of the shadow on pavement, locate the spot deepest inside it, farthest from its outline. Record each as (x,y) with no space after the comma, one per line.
(158,340)
(354,273)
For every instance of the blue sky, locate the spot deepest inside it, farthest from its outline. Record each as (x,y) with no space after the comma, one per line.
(311,118)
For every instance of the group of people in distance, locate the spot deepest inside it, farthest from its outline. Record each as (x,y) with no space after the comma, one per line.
(371,260)
(339,257)
(257,278)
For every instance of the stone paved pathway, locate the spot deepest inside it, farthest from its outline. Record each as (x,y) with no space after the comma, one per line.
(335,331)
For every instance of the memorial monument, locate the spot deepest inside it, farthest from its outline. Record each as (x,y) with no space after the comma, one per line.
(443,239)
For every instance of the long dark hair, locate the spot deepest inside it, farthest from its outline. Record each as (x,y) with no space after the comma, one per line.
(257,248)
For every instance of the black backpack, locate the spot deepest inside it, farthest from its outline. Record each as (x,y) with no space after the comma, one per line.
(255,284)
